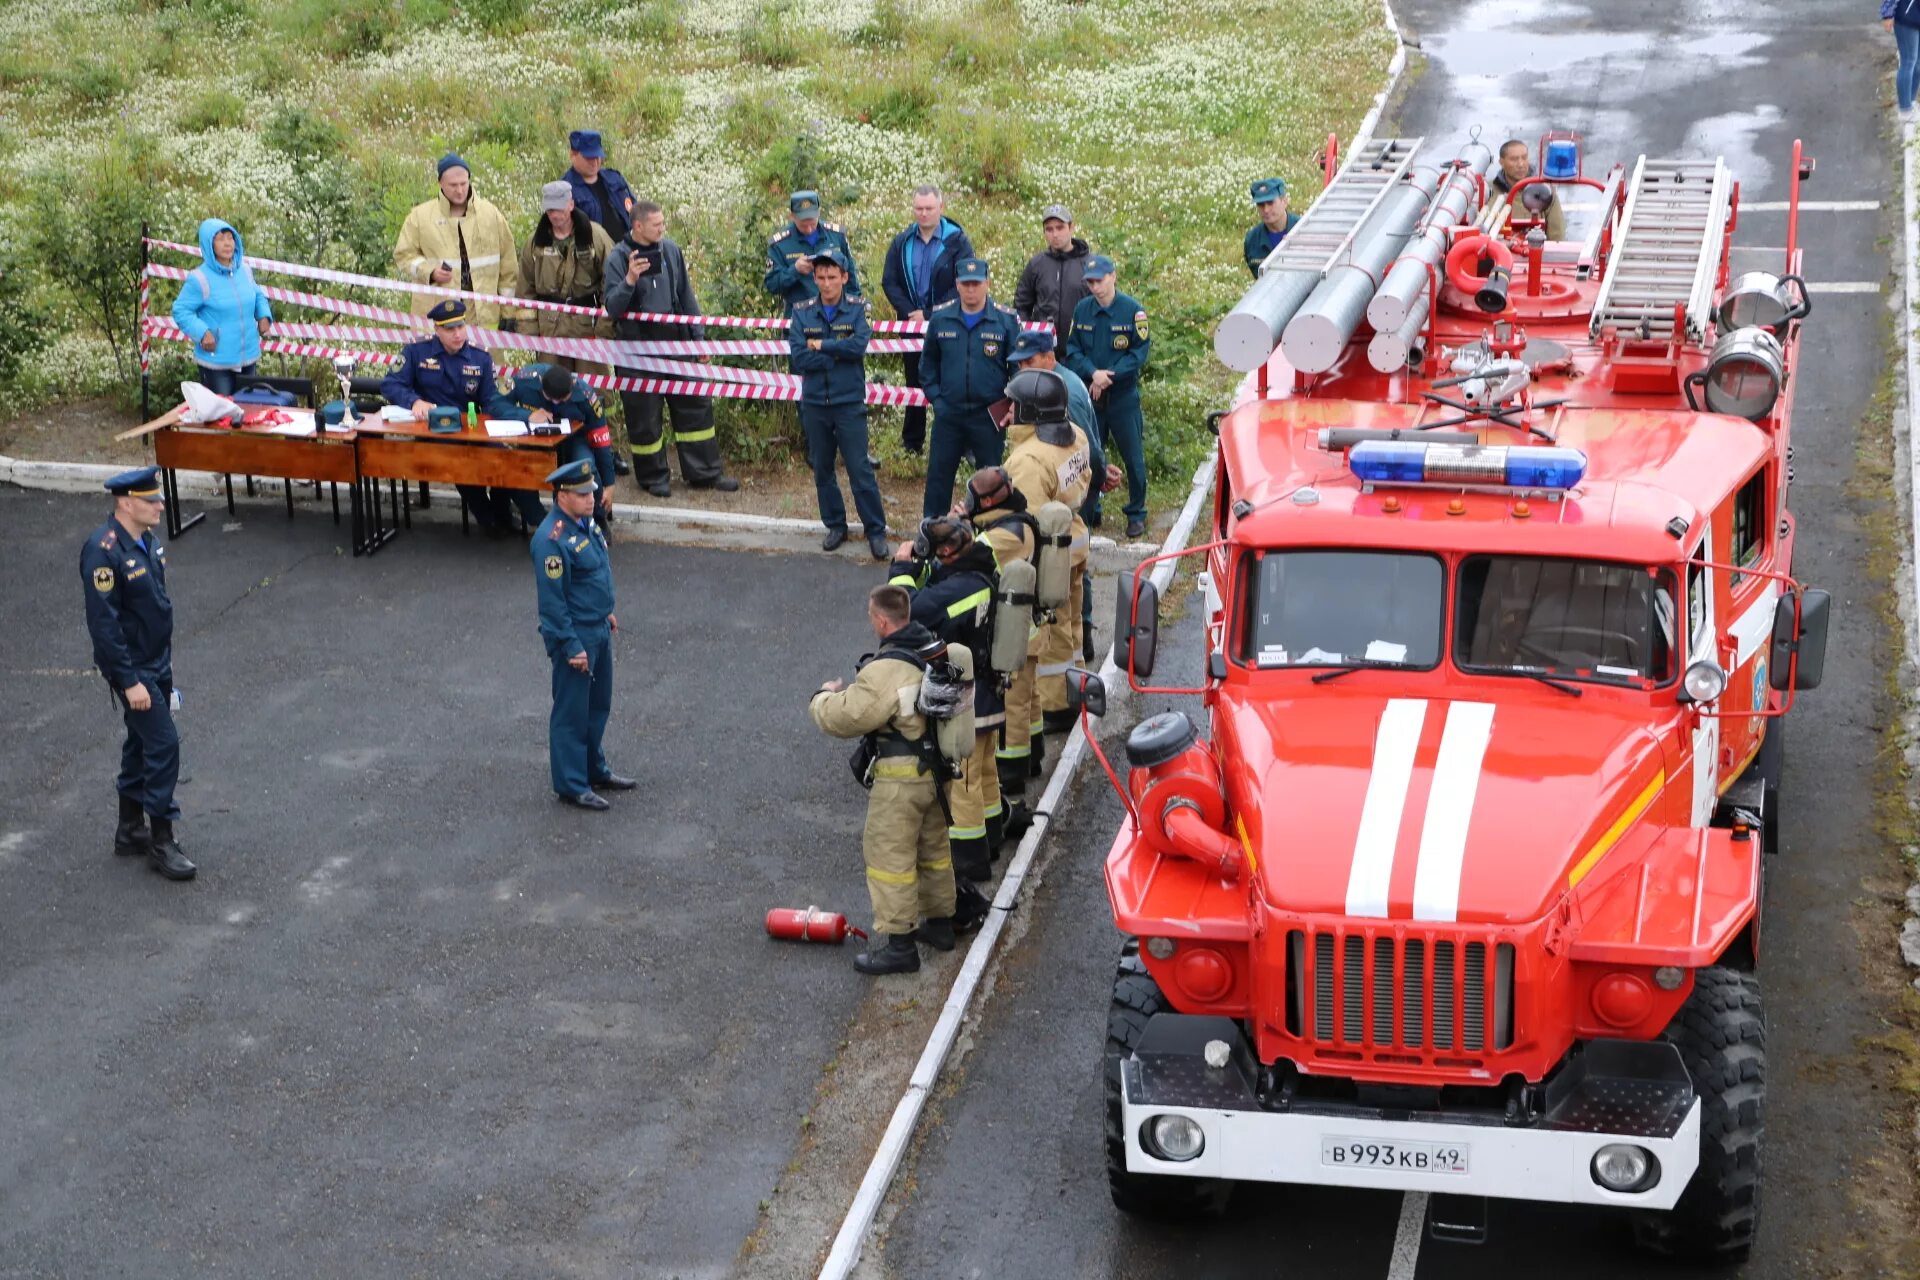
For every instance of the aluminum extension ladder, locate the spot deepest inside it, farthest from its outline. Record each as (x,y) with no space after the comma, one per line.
(1666,249)
(1326,230)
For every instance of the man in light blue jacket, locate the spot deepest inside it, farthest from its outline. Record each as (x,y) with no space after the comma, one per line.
(222,310)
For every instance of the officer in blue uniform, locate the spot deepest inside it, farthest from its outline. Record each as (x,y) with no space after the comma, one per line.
(1270,197)
(964,368)
(123,571)
(790,254)
(574,575)
(445,370)
(1108,349)
(827,346)
(543,393)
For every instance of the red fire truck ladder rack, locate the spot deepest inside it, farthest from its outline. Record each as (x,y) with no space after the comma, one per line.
(1666,250)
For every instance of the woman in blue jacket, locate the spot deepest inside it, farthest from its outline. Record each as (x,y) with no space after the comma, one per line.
(222,310)
(1902,18)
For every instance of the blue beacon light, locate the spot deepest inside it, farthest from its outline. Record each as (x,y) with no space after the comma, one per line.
(1562,159)
(1397,462)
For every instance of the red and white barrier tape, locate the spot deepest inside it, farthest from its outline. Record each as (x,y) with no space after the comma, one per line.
(776,386)
(274,266)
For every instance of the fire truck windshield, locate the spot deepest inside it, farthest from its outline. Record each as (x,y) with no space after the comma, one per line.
(1346,609)
(1571,619)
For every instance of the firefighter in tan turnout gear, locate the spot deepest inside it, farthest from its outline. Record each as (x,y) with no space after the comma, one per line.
(909,866)
(1051,465)
(1000,519)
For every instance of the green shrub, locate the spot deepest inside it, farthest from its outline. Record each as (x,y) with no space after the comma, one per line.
(979,44)
(781,35)
(218,108)
(25,328)
(886,26)
(92,83)
(654,106)
(496,15)
(795,162)
(985,149)
(657,22)
(896,98)
(753,121)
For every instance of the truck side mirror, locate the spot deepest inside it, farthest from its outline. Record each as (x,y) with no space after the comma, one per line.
(1136,631)
(1085,689)
(1809,642)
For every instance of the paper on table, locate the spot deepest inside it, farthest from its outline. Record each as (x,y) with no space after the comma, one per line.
(301,426)
(394,413)
(498,427)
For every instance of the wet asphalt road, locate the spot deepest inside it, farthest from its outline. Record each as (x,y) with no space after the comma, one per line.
(1009,1181)
(414,1018)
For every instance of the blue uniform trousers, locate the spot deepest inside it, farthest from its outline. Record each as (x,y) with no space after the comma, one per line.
(491,509)
(150,757)
(956,435)
(582,701)
(842,429)
(1122,427)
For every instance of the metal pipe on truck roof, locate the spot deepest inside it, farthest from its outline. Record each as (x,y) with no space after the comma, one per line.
(1392,350)
(1250,332)
(1319,330)
(1407,280)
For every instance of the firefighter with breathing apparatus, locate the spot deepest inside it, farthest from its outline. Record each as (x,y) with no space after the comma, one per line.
(1000,519)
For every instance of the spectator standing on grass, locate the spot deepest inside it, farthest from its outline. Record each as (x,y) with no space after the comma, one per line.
(599,192)
(1108,349)
(790,254)
(459,241)
(1902,19)
(918,276)
(1276,219)
(1052,283)
(564,261)
(222,310)
(648,272)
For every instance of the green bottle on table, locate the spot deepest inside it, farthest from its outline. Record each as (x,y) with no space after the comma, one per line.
(473,417)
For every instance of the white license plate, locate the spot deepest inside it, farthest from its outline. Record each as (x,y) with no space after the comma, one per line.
(1400,1157)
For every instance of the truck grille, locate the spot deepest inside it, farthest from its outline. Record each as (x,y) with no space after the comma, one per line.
(1388,990)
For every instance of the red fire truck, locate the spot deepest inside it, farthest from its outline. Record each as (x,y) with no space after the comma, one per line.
(1457,886)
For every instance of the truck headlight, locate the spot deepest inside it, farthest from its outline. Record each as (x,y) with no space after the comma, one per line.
(1621,1166)
(1174,1138)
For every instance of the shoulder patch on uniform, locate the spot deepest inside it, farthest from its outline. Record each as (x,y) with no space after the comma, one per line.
(103,578)
(555,566)
(948,305)
(1008,310)
(832,226)
(776,237)
(553,531)
(1140,324)
(109,540)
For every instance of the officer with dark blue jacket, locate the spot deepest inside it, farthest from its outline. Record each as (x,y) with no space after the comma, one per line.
(599,192)
(123,571)
(446,370)
(918,276)
(790,254)
(1270,198)
(1108,349)
(574,574)
(827,346)
(543,393)
(964,369)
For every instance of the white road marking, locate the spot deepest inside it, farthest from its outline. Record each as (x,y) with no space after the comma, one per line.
(1845,286)
(1394,744)
(1810,206)
(1406,1240)
(1443,835)
(1910,275)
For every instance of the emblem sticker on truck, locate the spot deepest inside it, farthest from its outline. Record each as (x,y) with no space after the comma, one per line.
(1400,1157)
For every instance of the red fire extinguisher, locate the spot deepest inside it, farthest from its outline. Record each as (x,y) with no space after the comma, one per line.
(809,925)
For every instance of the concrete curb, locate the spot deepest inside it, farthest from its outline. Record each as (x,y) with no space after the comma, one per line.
(1908,426)
(871,1196)
(666,524)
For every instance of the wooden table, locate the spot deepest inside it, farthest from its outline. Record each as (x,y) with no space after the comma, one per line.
(407,450)
(250,451)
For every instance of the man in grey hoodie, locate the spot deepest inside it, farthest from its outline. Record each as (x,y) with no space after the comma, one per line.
(648,272)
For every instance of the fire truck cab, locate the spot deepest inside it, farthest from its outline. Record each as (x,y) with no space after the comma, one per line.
(1459,886)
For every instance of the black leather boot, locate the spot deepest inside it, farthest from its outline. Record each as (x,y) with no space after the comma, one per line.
(970,907)
(996,834)
(971,861)
(131,837)
(1037,754)
(936,933)
(1060,722)
(165,856)
(888,953)
(1018,819)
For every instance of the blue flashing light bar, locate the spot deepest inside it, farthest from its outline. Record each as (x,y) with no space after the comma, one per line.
(1562,159)
(1396,462)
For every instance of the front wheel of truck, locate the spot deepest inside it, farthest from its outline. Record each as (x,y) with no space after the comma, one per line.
(1721,1032)
(1136,998)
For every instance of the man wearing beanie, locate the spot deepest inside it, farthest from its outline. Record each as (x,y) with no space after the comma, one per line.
(458,241)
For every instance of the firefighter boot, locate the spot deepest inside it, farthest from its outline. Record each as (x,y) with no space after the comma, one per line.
(971,858)
(1018,819)
(970,907)
(936,933)
(165,856)
(888,953)
(1037,757)
(131,837)
(996,834)
(1061,722)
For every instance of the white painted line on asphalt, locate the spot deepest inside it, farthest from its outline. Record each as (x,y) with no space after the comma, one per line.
(1845,286)
(867,1201)
(1406,1240)
(1810,206)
